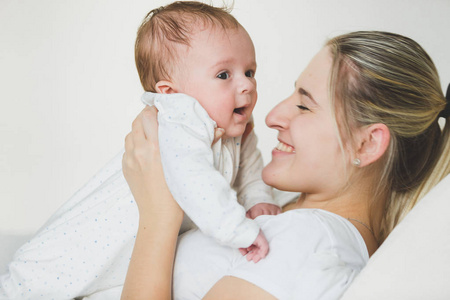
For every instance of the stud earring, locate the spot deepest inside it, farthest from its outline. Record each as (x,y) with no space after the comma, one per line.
(356,162)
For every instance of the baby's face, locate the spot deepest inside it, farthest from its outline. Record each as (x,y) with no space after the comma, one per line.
(218,70)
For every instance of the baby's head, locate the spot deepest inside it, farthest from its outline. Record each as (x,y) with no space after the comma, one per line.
(167,31)
(201,51)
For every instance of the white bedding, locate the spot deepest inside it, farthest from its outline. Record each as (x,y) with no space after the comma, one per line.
(413,263)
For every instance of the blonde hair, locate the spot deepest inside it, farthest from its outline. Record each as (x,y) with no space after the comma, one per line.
(380,77)
(164,29)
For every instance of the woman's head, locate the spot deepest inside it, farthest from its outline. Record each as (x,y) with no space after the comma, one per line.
(385,79)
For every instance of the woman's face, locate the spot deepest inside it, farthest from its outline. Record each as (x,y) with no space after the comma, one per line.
(308,157)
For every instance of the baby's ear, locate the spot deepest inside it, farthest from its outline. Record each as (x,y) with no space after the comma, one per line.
(165,87)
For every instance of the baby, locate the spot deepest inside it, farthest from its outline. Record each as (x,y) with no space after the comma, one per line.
(197,64)
(85,247)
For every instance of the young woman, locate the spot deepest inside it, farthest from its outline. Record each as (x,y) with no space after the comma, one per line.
(359,138)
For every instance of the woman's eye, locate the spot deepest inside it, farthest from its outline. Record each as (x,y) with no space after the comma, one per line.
(250,73)
(303,107)
(223,75)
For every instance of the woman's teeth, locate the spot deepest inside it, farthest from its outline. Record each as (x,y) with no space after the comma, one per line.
(285,148)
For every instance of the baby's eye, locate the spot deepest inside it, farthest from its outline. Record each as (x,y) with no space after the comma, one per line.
(223,75)
(302,107)
(250,73)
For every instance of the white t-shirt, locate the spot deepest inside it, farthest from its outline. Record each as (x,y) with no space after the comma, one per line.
(314,254)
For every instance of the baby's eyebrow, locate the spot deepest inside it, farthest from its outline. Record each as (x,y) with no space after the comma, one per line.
(222,62)
(230,61)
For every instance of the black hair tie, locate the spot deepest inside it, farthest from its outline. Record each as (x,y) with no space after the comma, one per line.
(445,113)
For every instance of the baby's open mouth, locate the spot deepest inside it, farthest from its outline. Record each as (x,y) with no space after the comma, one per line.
(239,111)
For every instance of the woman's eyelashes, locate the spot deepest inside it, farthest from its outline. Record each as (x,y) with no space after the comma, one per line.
(303,108)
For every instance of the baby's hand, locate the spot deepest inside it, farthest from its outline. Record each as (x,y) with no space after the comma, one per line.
(263,209)
(258,250)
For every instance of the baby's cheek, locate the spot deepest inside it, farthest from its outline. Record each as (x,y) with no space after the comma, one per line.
(219,117)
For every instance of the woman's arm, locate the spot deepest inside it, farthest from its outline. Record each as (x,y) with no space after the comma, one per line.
(150,271)
(231,288)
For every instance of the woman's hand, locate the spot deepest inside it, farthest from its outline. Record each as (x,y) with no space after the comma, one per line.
(150,271)
(142,167)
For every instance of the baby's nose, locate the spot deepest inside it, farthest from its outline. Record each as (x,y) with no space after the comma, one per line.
(247,85)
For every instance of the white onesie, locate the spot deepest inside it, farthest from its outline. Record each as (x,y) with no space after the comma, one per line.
(204,180)
(84,249)
(314,254)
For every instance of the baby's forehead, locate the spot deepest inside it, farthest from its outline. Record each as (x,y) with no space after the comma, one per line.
(213,47)
(204,31)
(213,26)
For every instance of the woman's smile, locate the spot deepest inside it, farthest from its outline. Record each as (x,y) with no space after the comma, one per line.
(285,147)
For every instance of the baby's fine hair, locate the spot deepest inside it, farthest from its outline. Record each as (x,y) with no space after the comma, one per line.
(381,77)
(165,29)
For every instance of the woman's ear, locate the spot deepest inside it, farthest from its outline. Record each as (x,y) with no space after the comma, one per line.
(165,87)
(374,141)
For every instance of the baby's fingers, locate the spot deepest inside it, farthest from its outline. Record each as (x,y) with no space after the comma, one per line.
(273,211)
(257,254)
(243,251)
(250,256)
(256,257)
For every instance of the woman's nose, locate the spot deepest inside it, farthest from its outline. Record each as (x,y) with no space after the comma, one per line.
(279,117)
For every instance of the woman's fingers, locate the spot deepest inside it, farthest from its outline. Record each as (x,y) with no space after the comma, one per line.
(142,138)
(218,133)
(129,142)
(137,131)
(150,123)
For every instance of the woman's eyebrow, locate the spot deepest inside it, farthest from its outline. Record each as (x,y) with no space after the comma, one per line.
(302,91)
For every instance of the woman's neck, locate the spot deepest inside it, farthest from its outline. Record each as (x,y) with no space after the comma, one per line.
(346,203)
(353,205)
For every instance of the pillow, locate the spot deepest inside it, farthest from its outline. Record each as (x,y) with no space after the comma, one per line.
(414,261)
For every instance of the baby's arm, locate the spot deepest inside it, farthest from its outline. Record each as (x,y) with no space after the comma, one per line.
(253,193)
(185,136)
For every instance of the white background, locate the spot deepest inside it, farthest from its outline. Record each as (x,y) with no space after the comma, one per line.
(69,89)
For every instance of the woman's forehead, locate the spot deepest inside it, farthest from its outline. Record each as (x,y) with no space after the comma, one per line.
(315,77)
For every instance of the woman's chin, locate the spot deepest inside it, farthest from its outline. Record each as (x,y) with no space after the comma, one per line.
(268,176)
